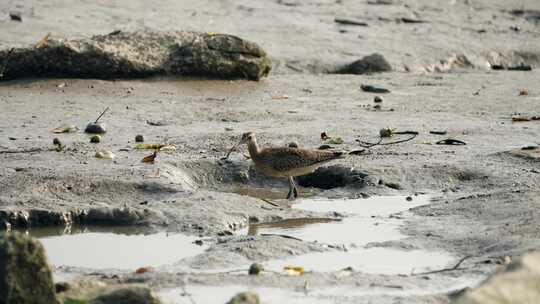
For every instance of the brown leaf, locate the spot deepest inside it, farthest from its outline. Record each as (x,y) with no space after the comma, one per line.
(144,270)
(520,118)
(150,158)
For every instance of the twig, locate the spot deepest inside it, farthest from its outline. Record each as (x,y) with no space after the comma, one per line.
(102,113)
(366,144)
(21,151)
(269,202)
(446,269)
(281,235)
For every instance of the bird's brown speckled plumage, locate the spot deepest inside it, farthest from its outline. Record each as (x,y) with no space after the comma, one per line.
(287,161)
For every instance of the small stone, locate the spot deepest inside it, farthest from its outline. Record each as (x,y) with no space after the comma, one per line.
(377,107)
(104,155)
(408,199)
(95,139)
(139,138)
(62,287)
(293,144)
(56,142)
(374,63)
(245,298)
(15,16)
(255,269)
(377,99)
(95,128)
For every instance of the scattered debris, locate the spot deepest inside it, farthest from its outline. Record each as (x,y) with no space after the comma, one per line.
(139,138)
(455,267)
(450,141)
(293,144)
(59,146)
(104,155)
(386,132)
(255,269)
(374,63)
(293,270)
(43,42)
(349,22)
(438,132)
(334,141)
(96,127)
(373,89)
(325,147)
(150,158)
(357,152)
(324,136)
(15,16)
(411,20)
(95,139)
(144,270)
(158,123)
(280,97)
(65,129)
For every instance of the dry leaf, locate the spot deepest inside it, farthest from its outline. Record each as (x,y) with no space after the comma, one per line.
(150,158)
(144,270)
(43,42)
(280,97)
(105,155)
(65,129)
(149,146)
(293,270)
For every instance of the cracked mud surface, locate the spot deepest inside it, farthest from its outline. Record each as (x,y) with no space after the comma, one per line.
(485,198)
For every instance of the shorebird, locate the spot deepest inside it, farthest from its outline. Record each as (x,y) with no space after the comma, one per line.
(285,161)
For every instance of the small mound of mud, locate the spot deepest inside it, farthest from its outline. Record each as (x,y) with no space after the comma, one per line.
(333,177)
(138,54)
(374,63)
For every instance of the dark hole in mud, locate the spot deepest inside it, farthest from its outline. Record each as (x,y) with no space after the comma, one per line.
(333,177)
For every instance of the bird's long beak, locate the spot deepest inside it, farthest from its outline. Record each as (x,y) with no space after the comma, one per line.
(232,149)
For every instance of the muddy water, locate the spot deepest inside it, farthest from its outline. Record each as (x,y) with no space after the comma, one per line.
(114,247)
(369,220)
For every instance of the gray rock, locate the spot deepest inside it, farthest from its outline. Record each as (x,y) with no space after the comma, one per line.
(374,63)
(139,54)
(127,295)
(245,298)
(518,283)
(25,276)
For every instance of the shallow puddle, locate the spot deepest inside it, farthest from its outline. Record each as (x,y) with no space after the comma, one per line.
(372,260)
(369,220)
(114,248)
(222,294)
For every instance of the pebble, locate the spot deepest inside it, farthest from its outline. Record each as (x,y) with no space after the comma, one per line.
(377,99)
(95,128)
(95,139)
(139,138)
(255,269)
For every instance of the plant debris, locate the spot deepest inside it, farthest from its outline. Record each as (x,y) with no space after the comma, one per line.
(373,89)
(150,158)
(438,132)
(105,155)
(160,147)
(65,129)
(450,141)
(293,270)
(334,141)
(349,22)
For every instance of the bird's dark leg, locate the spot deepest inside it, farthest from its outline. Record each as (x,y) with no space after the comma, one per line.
(293,193)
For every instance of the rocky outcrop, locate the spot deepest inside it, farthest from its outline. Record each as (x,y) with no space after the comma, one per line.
(25,276)
(138,54)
